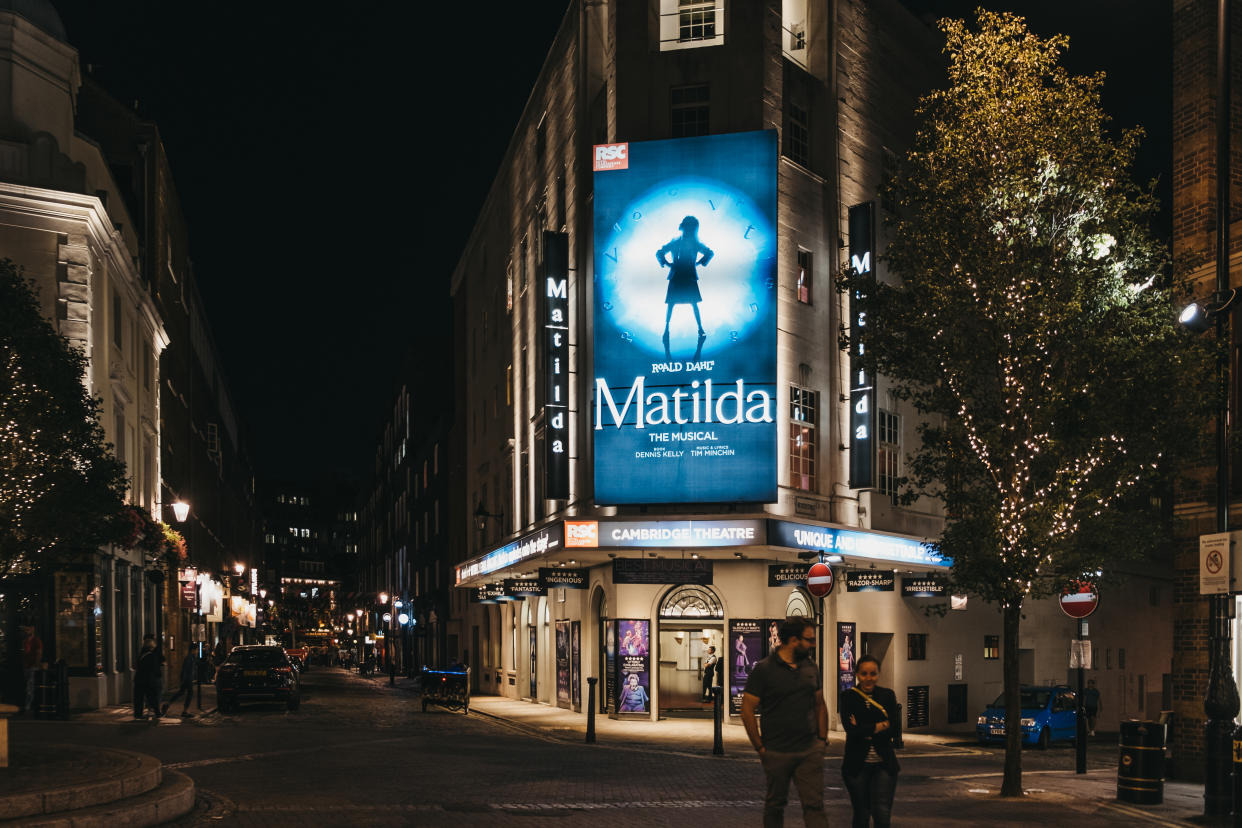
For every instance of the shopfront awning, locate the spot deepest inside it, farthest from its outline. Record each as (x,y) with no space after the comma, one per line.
(590,539)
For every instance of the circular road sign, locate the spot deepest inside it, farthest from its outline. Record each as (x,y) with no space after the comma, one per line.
(1080,599)
(819,580)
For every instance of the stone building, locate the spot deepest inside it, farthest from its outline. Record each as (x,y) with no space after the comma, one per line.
(1195,235)
(88,207)
(585,563)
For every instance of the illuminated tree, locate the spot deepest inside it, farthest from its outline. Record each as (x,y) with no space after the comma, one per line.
(61,489)
(1031,325)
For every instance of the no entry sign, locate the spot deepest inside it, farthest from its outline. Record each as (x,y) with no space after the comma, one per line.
(819,580)
(1080,599)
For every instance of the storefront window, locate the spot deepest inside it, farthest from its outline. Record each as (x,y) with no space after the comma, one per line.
(74,618)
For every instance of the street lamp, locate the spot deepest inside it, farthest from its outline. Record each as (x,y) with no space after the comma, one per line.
(383,596)
(481,516)
(181,510)
(239,568)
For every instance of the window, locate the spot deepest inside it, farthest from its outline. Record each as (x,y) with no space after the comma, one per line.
(888,452)
(798,135)
(806,277)
(691,24)
(916,647)
(803,403)
(696,20)
(688,110)
(118,332)
(991,647)
(306,533)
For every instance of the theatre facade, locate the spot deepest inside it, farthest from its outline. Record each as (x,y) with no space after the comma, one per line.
(636,604)
(660,429)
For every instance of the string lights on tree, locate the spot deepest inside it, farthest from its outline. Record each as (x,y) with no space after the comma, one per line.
(1025,315)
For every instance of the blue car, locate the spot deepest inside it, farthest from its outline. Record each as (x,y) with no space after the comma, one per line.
(1049,714)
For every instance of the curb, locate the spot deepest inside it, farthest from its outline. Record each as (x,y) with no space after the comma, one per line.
(145,777)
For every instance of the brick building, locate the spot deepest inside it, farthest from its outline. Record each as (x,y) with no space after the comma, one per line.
(1194,235)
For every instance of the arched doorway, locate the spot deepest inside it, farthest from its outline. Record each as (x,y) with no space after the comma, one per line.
(605,651)
(691,620)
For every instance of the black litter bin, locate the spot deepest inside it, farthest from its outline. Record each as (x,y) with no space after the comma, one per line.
(62,690)
(1140,774)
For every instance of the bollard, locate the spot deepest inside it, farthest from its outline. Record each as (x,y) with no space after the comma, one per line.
(45,695)
(718,721)
(62,690)
(590,734)
(6,710)
(392,674)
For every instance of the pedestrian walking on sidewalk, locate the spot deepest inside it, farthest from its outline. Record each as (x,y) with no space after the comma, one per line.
(786,690)
(148,678)
(1091,705)
(32,663)
(189,670)
(870,767)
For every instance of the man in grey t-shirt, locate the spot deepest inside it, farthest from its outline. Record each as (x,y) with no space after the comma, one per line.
(786,689)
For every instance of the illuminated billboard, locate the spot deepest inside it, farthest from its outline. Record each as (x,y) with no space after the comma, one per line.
(684,401)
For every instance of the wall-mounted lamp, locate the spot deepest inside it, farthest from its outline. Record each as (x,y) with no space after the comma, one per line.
(481,516)
(181,510)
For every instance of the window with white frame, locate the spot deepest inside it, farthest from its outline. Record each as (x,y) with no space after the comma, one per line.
(803,405)
(793,34)
(888,449)
(688,24)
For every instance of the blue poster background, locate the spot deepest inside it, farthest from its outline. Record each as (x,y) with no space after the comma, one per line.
(649,257)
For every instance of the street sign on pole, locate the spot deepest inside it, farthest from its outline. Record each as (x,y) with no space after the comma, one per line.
(1080,599)
(1214,560)
(819,580)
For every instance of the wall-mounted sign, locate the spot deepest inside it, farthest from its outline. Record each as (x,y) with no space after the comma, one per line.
(869,580)
(186,579)
(489,593)
(663,533)
(870,545)
(661,571)
(862,384)
(555,312)
(562,665)
(743,651)
(792,574)
(520,589)
(684,402)
(922,588)
(633,682)
(558,578)
(846,652)
(540,542)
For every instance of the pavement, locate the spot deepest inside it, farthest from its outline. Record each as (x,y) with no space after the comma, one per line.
(512,762)
(1182,805)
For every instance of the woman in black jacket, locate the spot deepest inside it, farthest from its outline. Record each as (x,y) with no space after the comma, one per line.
(869,713)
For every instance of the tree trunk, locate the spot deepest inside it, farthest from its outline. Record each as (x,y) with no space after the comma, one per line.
(1012,784)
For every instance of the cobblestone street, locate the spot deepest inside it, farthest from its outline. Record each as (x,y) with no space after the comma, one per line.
(361,753)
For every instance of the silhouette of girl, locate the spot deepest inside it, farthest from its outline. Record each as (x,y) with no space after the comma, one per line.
(683,278)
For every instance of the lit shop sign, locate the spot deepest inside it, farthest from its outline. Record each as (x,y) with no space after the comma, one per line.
(862,384)
(870,545)
(677,533)
(781,575)
(561,578)
(536,543)
(556,364)
(519,589)
(922,588)
(869,580)
(489,593)
(684,401)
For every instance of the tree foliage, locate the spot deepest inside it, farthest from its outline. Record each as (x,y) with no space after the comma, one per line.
(1031,324)
(61,489)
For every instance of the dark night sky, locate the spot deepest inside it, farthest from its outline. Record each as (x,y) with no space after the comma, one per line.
(331,159)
